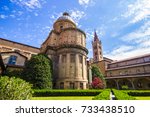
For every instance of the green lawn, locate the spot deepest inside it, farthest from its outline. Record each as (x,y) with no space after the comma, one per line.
(64,98)
(143,98)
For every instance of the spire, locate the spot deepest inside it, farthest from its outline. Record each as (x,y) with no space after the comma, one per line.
(96,37)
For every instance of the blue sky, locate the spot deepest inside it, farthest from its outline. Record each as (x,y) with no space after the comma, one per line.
(122,25)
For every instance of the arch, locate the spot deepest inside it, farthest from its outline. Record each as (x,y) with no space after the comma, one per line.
(125,82)
(142,83)
(111,84)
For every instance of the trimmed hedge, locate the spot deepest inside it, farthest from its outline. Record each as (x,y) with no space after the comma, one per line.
(105,95)
(46,93)
(121,95)
(138,93)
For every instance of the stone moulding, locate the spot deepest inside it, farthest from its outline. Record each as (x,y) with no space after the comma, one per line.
(67,46)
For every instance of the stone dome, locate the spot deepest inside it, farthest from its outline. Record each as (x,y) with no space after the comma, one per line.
(65,16)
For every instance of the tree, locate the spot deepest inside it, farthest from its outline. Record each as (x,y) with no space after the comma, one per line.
(98,80)
(97,83)
(12,88)
(96,72)
(38,71)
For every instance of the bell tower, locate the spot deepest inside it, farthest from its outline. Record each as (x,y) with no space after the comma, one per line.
(97,49)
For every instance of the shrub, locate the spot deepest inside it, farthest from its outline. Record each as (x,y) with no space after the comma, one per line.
(38,71)
(104,95)
(124,87)
(138,92)
(121,95)
(44,93)
(97,83)
(14,89)
(13,73)
(96,72)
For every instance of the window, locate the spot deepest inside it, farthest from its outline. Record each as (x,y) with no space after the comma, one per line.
(138,71)
(95,53)
(126,72)
(71,85)
(120,73)
(61,27)
(12,60)
(61,85)
(81,85)
(72,58)
(80,59)
(63,58)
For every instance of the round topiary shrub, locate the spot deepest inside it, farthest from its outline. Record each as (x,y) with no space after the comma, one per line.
(14,89)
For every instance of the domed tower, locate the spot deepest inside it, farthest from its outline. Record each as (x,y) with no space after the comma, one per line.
(66,46)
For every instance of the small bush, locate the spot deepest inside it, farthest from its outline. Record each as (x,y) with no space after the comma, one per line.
(45,93)
(121,95)
(105,95)
(138,92)
(14,89)
(125,87)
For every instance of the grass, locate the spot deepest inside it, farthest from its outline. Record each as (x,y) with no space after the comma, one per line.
(64,98)
(143,98)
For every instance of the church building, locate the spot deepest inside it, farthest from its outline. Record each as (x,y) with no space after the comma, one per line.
(66,47)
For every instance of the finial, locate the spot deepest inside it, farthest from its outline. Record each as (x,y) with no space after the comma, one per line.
(66,14)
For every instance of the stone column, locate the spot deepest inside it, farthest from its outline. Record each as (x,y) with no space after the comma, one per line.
(83,68)
(84,85)
(90,74)
(60,65)
(77,66)
(132,80)
(117,84)
(68,65)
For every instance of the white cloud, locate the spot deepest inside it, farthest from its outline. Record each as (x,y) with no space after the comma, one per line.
(86,3)
(5,8)
(139,41)
(138,11)
(128,52)
(77,15)
(3,16)
(13,16)
(29,4)
(140,36)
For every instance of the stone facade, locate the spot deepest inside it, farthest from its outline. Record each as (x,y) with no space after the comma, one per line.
(19,58)
(26,50)
(133,72)
(66,46)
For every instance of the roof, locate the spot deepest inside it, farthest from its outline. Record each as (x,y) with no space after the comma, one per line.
(14,52)
(19,43)
(132,58)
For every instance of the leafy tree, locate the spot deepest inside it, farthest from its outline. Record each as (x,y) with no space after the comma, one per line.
(38,71)
(12,88)
(97,83)
(98,80)
(96,72)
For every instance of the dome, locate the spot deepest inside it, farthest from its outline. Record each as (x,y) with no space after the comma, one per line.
(65,16)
